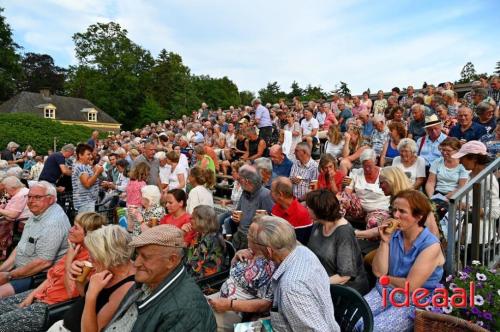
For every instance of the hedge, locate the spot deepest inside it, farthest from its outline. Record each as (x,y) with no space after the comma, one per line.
(28,129)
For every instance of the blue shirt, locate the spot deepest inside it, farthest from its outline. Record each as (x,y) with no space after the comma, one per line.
(264,117)
(401,262)
(345,114)
(282,169)
(474,132)
(368,129)
(430,149)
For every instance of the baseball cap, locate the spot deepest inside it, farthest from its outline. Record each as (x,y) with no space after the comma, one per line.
(162,235)
(471,147)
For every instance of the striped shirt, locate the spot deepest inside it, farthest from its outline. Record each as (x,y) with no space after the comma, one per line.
(306,172)
(81,195)
(302,300)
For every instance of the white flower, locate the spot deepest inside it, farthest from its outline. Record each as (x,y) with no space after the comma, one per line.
(480,323)
(476,263)
(448,309)
(481,277)
(478,300)
(452,286)
(498,292)
(449,278)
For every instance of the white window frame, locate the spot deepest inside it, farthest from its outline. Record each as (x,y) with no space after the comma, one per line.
(49,113)
(92,116)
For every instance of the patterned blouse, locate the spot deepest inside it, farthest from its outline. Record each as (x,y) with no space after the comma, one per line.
(249,280)
(206,255)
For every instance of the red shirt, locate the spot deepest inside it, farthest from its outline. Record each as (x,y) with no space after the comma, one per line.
(296,214)
(338,177)
(179,222)
(55,292)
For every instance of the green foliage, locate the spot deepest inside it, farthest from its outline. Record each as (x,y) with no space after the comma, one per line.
(313,93)
(468,73)
(246,97)
(151,111)
(40,72)
(271,93)
(343,90)
(10,68)
(112,71)
(296,91)
(216,92)
(28,129)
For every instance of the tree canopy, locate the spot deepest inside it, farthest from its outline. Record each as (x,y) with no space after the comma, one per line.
(10,67)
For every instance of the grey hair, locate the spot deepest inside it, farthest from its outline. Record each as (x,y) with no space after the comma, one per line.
(12,145)
(419,106)
(264,164)
(15,171)
(378,118)
(304,147)
(256,100)
(326,105)
(249,173)
(160,155)
(50,190)
(12,182)
(68,147)
(368,154)
(408,143)
(275,232)
(482,107)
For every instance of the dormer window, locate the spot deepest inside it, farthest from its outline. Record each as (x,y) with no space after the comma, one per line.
(49,112)
(92,116)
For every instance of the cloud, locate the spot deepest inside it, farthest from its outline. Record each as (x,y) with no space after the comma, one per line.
(366,44)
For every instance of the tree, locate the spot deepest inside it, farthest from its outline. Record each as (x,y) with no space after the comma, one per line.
(468,73)
(343,90)
(10,67)
(216,92)
(112,71)
(151,111)
(296,91)
(313,93)
(40,72)
(497,68)
(271,93)
(246,97)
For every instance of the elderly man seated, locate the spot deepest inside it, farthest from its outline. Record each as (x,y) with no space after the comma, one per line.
(289,208)
(44,241)
(255,197)
(15,208)
(301,286)
(281,164)
(304,170)
(265,168)
(428,145)
(169,299)
(466,129)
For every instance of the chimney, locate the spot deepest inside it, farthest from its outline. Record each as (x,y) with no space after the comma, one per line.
(45,92)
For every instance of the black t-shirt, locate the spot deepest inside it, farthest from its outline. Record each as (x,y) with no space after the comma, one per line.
(339,254)
(51,171)
(7,155)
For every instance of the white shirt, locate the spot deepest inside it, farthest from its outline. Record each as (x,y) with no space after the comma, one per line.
(417,170)
(199,195)
(308,126)
(334,149)
(165,173)
(371,196)
(173,179)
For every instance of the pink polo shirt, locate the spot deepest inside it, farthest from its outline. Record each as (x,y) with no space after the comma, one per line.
(18,203)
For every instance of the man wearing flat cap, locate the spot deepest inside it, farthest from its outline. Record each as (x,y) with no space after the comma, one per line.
(166,298)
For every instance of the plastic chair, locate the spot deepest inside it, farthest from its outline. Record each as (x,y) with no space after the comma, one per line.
(349,308)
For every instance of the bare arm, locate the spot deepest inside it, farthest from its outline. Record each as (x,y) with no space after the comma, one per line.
(260,150)
(9,262)
(65,170)
(182,180)
(418,183)
(382,153)
(430,186)
(356,154)
(380,263)
(339,280)
(10,214)
(89,181)
(35,266)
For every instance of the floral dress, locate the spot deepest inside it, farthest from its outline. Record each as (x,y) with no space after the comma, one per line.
(206,255)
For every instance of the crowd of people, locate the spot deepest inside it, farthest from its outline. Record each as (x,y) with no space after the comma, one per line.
(306,193)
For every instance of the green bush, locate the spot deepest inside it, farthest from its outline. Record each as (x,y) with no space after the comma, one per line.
(27,129)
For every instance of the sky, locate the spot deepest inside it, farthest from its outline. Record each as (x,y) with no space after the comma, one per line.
(368,44)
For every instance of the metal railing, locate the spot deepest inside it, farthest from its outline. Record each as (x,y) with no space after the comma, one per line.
(473,233)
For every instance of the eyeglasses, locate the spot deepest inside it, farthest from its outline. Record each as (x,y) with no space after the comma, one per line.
(446,150)
(36,197)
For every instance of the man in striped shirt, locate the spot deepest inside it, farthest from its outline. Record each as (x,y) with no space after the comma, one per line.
(304,170)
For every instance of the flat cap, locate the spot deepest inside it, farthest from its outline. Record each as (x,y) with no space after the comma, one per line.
(162,235)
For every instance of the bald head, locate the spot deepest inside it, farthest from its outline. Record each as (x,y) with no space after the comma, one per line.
(276,154)
(282,185)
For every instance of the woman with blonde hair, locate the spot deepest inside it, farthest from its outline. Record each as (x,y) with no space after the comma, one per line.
(26,311)
(113,275)
(353,147)
(335,143)
(201,180)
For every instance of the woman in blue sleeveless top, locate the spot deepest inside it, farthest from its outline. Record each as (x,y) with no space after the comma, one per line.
(411,254)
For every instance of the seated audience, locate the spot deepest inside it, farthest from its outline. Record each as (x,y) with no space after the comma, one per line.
(333,241)
(492,141)
(330,177)
(177,216)
(417,124)
(446,175)
(43,241)
(27,311)
(335,142)
(255,146)
(265,168)
(282,166)
(390,149)
(207,251)
(248,289)
(169,299)
(447,120)
(102,292)
(255,197)
(486,116)
(310,128)
(466,129)
(203,160)
(152,208)
(201,180)
(421,266)
(301,286)
(353,147)
(177,178)
(289,208)
(379,135)
(293,126)
(411,164)
(304,170)
(428,145)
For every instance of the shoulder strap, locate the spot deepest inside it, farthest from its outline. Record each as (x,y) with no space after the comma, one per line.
(421,144)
